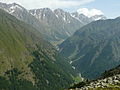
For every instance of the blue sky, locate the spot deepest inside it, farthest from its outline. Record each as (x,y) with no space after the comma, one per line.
(110,8)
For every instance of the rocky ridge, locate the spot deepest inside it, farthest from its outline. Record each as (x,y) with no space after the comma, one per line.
(110,82)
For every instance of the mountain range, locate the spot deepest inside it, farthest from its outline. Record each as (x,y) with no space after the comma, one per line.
(43,49)
(54,25)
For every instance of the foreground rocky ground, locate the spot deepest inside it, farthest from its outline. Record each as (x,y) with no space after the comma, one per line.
(110,83)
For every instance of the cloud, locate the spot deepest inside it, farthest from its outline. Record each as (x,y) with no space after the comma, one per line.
(49,3)
(89,13)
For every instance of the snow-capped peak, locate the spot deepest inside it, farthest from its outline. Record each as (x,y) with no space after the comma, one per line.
(11,8)
(14,6)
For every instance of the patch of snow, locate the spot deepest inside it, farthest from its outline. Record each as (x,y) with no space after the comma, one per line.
(67,33)
(76,18)
(69,21)
(71,62)
(56,15)
(11,11)
(55,36)
(43,15)
(39,16)
(81,76)
(13,8)
(73,67)
(72,15)
(64,18)
(35,13)
(98,18)
(47,81)
(57,48)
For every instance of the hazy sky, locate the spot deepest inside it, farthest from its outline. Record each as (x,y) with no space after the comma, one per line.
(109,8)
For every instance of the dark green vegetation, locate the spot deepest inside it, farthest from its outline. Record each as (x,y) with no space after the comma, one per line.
(27,62)
(111,72)
(14,82)
(94,48)
(79,85)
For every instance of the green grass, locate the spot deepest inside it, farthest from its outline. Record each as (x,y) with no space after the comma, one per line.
(23,50)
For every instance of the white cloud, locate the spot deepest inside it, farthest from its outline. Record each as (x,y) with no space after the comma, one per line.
(89,13)
(49,3)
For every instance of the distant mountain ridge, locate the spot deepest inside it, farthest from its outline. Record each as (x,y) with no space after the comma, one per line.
(85,19)
(61,23)
(54,25)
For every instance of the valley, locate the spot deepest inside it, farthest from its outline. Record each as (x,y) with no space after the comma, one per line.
(56,49)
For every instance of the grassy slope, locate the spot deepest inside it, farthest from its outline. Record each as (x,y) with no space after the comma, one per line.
(27,61)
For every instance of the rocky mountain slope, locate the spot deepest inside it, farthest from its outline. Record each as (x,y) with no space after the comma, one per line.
(27,62)
(22,14)
(94,48)
(54,25)
(62,24)
(109,80)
